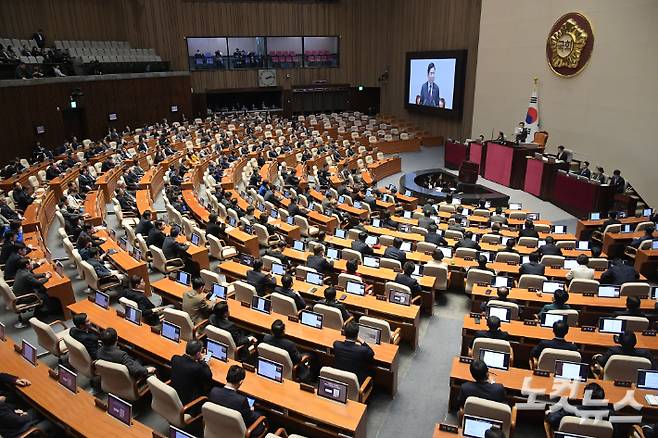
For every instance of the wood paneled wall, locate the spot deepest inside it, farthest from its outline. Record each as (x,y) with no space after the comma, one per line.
(374,36)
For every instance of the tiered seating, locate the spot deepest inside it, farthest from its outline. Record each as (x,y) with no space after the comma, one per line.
(107,51)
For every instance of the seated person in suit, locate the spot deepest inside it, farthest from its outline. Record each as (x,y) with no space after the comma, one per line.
(582,271)
(83,333)
(286,290)
(619,273)
(219,318)
(406,279)
(229,397)
(102,271)
(428,207)
(278,339)
(15,419)
(318,262)
(533,266)
(277,252)
(330,300)
(627,342)
(467,241)
(509,246)
(425,221)
(394,252)
(145,225)
(482,265)
(561,154)
(195,302)
(361,246)
(612,220)
(648,235)
(482,387)
(584,169)
(387,222)
(549,248)
(632,308)
(353,354)
(560,330)
(528,230)
(171,248)
(261,281)
(111,353)
(19,251)
(493,331)
(593,409)
(560,298)
(433,237)
(214,227)
(352,267)
(135,292)
(156,236)
(498,216)
(437,258)
(190,374)
(502,294)
(27,282)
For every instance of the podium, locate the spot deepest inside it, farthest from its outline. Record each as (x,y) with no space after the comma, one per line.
(539,175)
(476,152)
(579,196)
(505,163)
(454,154)
(468,172)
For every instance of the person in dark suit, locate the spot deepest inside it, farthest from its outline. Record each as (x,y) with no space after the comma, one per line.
(330,300)
(648,235)
(433,237)
(214,227)
(627,342)
(560,330)
(528,230)
(428,207)
(617,181)
(493,331)
(560,298)
(229,397)
(482,265)
(632,308)
(277,252)
(27,282)
(11,264)
(111,353)
(190,374)
(7,212)
(533,266)
(597,407)
(15,421)
(394,252)
(219,318)
(509,246)
(467,241)
(261,281)
(619,273)
(406,279)
(145,225)
(318,262)
(293,208)
(561,154)
(584,169)
(612,220)
(171,248)
(83,333)
(425,221)
(21,199)
(277,339)
(8,247)
(135,292)
(429,92)
(286,290)
(482,387)
(361,246)
(549,248)
(353,354)
(156,236)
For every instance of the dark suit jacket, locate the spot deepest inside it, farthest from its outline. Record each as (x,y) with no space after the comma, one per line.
(467,243)
(638,352)
(27,282)
(426,98)
(116,355)
(225,324)
(410,282)
(362,247)
(261,281)
(395,254)
(87,338)
(558,343)
(532,268)
(619,274)
(299,301)
(214,230)
(550,249)
(436,239)
(155,237)
(529,233)
(489,391)
(232,400)
(11,264)
(353,357)
(320,264)
(190,378)
(144,227)
(173,249)
(424,222)
(498,334)
(562,156)
(285,344)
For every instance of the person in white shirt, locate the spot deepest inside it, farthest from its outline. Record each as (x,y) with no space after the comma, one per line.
(581,272)
(58,73)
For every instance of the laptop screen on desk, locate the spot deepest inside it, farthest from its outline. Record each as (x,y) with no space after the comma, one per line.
(333,254)
(174,432)
(67,378)
(134,315)
(503,313)
(447,252)
(184,278)
(595,216)
(549,319)
(608,291)
(570,264)
(500,281)
(370,334)
(371,262)
(647,379)
(270,369)
(372,240)
(278,269)
(515,206)
(170,331)
(340,233)
(418,271)
(647,212)
(355,288)
(298,245)
(571,370)
(583,245)
(29,352)
(406,246)
(218,291)
(102,299)
(476,427)
(332,390)
(246,259)
(261,304)
(311,319)
(376,223)
(399,297)
(195,239)
(612,325)
(654,244)
(559,229)
(550,287)
(314,278)
(119,409)
(217,350)
(495,359)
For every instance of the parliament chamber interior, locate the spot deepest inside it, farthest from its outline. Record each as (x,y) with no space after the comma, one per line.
(328,218)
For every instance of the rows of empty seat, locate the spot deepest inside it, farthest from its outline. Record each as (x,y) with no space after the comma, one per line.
(107,51)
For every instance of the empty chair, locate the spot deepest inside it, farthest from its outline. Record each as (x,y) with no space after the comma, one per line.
(281,356)
(598,263)
(388,336)
(624,368)
(635,323)
(530,242)
(552,261)
(48,338)
(225,337)
(356,392)
(548,357)
(453,234)
(94,283)
(115,379)
(483,408)
(264,238)
(19,305)
(528,281)
(508,257)
(209,277)
(474,276)
(221,422)
(466,253)
(385,262)
(350,254)
(161,263)
(219,250)
(188,331)
(635,288)
(425,247)
(440,273)
(566,244)
(583,286)
(586,427)
(244,292)
(167,404)
(493,239)
(306,229)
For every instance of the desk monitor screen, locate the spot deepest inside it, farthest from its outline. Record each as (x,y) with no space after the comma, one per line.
(354,287)
(501,312)
(407,193)
(248,229)
(217,350)
(550,287)
(504,239)
(29,352)
(261,304)
(477,427)
(311,319)
(246,259)
(654,244)
(119,409)
(134,315)
(102,299)
(290,220)
(559,229)
(67,378)
(647,379)
(270,369)
(532,216)
(261,207)
(570,435)
(525,259)
(123,243)
(647,212)
(612,325)
(583,245)
(369,334)
(627,228)
(621,214)
(340,233)
(341,199)
(571,370)
(608,291)
(595,216)
(298,245)
(219,291)
(406,246)
(195,239)
(170,331)
(376,223)
(456,201)
(231,221)
(175,432)
(447,252)
(500,281)
(495,359)
(278,269)
(372,240)
(399,297)
(570,264)
(654,292)
(332,390)
(404,228)
(333,254)
(314,278)
(137,254)
(418,271)
(406,214)
(515,206)
(549,319)
(184,278)
(486,254)
(274,214)
(356,204)
(371,262)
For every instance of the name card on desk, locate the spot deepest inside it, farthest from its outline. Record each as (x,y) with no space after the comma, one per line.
(533,289)
(530,322)
(464,359)
(380,297)
(588,294)
(306,387)
(511,263)
(649,333)
(243,304)
(293,318)
(541,373)
(623,383)
(248,367)
(448,428)
(587,328)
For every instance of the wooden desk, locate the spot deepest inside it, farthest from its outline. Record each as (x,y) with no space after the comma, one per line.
(584,228)
(613,242)
(124,261)
(77,412)
(646,261)
(283,402)
(387,167)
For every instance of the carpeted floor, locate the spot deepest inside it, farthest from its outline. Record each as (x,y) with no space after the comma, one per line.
(422,398)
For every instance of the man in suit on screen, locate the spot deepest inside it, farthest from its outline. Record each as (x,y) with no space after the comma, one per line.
(429,92)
